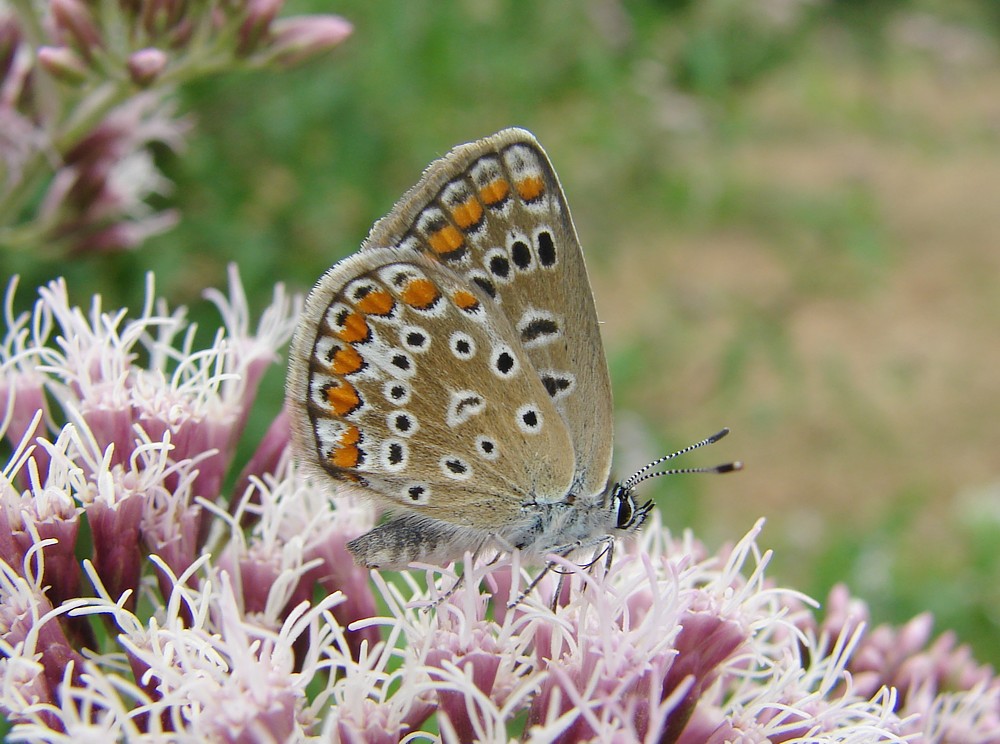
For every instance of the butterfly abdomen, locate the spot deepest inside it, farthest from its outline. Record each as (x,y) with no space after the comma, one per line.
(413,538)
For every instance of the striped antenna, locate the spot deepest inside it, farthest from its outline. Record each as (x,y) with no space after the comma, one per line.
(643,474)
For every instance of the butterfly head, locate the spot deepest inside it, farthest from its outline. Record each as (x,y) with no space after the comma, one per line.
(627,512)
(622,505)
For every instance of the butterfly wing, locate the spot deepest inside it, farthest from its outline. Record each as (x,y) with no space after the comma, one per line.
(407,380)
(493,212)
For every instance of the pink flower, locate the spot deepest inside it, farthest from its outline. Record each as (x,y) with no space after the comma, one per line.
(23,404)
(38,656)
(63,63)
(85,96)
(248,621)
(145,65)
(141,444)
(302,37)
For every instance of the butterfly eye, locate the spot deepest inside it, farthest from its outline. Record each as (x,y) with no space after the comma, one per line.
(625,511)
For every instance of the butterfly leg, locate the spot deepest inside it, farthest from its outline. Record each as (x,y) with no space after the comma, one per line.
(448,594)
(549,566)
(605,546)
(608,551)
(557,594)
(530,587)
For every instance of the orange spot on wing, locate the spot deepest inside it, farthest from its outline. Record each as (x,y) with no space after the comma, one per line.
(346,360)
(494,192)
(376,303)
(446,240)
(530,188)
(465,300)
(346,457)
(468,214)
(355,329)
(420,293)
(342,397)
(347,454)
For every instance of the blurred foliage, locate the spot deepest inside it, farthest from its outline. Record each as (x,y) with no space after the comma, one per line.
(651,111)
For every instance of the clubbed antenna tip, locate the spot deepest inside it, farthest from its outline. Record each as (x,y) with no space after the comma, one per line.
(644,473)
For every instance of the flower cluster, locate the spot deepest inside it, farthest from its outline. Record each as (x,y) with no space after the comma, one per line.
(85,90)
(139,602)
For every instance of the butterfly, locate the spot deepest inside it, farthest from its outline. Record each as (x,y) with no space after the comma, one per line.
(453,369)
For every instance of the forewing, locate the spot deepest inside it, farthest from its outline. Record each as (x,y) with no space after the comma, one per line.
(494,213)
(407,380)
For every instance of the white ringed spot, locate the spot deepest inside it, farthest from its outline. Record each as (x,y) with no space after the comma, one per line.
(546,246)
(487,447)
(416,493)
(504,362)
(414,338)
(464,404)
(558,384)
(521,255)
(529,419)
(454,467)
(397,392)
(482,280)
(402,423)
(395,455)
(497,263)
(463,346)
(538,328)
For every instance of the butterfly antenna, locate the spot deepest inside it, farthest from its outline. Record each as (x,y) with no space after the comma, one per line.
(644,474)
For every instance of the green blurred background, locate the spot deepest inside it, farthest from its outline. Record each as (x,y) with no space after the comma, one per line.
(790,212)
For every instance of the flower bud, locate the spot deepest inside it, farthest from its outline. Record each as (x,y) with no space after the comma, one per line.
(181,33)
(299,38)
(74,20)
(260,14)
(63,64)
(145,65)
(10,38)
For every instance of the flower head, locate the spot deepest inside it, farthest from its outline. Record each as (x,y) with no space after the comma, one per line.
(247,620)
(85,94)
